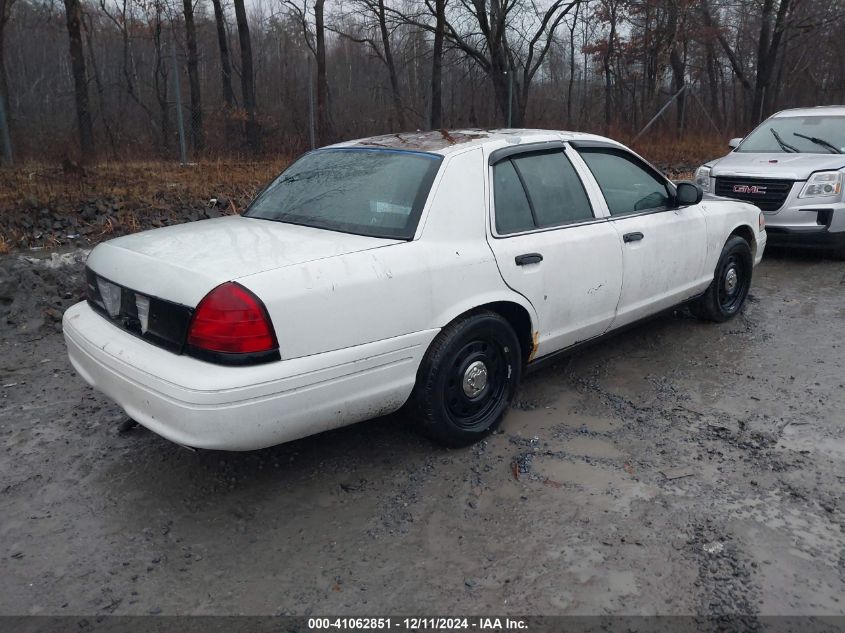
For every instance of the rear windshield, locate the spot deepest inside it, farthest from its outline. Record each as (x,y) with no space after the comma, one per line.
(374,192)
(805,134)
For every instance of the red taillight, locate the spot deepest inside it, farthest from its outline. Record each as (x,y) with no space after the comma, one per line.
(231,320)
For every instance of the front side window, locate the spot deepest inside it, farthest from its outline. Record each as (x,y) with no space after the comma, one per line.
(804,134)
(628,186)
(380,193)
(538,190)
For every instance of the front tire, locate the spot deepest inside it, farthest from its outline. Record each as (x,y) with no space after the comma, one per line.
(726,294)
(467,379)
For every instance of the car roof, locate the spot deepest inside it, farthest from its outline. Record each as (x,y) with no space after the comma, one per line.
(447,141)
(828,110)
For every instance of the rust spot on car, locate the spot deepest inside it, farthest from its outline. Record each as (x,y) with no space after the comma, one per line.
(423,141)
(535,343)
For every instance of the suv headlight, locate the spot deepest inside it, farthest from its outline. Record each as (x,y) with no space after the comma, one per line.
(823,184)
(702,178)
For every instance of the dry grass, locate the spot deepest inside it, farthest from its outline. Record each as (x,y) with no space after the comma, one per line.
(159,185)
(130,196)
(690,151)
(124,197)
(141,185)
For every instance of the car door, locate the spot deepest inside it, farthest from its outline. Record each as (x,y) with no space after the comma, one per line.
(550,246)
(664,246)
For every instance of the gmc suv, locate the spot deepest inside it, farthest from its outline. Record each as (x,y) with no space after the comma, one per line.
(792,166)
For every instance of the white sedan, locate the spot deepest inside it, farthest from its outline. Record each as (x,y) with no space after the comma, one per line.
(425,269)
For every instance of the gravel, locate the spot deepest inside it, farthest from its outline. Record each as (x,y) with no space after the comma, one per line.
(567,510)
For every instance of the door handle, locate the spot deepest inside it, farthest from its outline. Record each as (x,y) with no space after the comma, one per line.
(632,237)
(528,258)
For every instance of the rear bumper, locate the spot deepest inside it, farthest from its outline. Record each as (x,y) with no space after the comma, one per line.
(202,405)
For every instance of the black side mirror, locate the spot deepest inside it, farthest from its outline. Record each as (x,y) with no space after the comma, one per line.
(688,193)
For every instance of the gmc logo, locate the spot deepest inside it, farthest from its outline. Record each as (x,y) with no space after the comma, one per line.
(749,189)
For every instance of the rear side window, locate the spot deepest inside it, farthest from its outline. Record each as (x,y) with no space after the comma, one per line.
(513,214)
(538,190)
(628,186)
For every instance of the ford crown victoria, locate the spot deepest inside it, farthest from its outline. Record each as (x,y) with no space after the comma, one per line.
(424,270)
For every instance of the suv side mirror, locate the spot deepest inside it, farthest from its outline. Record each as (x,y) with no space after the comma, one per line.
(688,193)
(734,142)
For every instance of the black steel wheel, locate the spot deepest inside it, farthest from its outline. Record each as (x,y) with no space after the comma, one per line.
(726,294)
(467,379)
(734,282)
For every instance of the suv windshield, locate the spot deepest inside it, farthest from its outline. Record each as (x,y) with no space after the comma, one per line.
(374,192)
(805,134)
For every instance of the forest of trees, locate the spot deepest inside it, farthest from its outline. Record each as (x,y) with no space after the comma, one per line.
(112,79)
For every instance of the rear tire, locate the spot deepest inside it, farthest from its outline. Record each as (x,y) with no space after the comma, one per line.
(467,379)
(726,294)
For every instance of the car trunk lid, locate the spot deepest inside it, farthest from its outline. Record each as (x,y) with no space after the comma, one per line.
(182,263)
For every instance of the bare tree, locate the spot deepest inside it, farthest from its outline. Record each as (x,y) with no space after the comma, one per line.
(511,67)
(87,23)
(376,17)
(315,39)
(602,64)
(197,131)
(437,65)
(677,59)
(225,61)
(5,116)
(119,13)
(771,38)
(73,13)
(391,65)
(710,38)
(571,85)
(773,23)
(247,78)
(323,126)
(161,73)
(610,12)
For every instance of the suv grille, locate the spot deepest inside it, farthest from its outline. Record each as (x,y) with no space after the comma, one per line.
(765,193)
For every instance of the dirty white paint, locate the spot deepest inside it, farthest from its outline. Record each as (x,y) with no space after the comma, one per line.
(354,315)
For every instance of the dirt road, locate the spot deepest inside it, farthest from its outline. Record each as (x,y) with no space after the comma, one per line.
(680,467)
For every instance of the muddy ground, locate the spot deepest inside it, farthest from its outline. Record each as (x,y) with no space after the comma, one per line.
(680,467)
